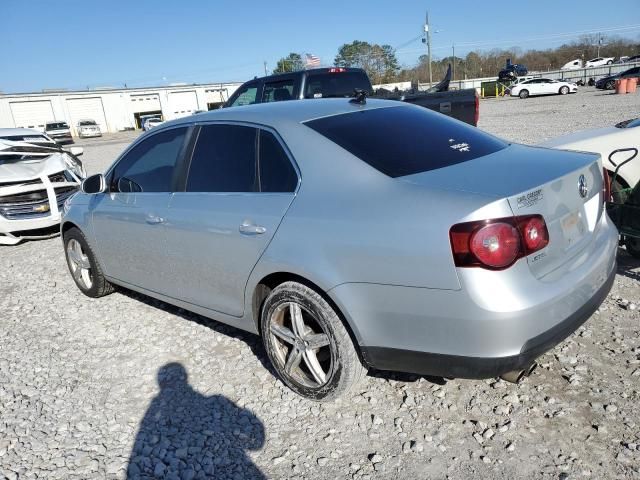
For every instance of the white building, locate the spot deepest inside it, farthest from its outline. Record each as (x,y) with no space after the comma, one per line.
(113,109)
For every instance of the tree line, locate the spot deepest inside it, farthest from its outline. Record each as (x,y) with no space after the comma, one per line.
(382,65)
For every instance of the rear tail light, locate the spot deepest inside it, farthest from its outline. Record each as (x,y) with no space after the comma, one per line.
(337,70)
(497,244)
(606,185)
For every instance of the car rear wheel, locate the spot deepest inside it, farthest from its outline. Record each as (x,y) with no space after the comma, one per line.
(524,94)
(308,344)
(564,90)
(83,265)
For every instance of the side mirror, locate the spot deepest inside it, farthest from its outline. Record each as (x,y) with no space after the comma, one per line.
(77,151)
(94,184)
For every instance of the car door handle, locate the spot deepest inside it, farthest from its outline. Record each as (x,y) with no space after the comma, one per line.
(153,219)
(248,228)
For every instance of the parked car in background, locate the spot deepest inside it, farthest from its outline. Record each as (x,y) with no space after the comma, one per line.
(28,135)
(604,141)
(622,59)
(634,58)
(572,65)
(542,86)
(297,221)
(88,128)
(35,181)
(338,82)
(149,123)
(609,82)
(599,61)
(59,132)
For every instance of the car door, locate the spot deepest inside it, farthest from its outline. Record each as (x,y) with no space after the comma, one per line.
(239,186)
(128,220)
(532,86)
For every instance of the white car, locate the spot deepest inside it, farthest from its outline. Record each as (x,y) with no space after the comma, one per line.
(35,181)
(599,62)
(29,135)
(542,86)
(88,128)
(151,122)
(624,135)
(572,65)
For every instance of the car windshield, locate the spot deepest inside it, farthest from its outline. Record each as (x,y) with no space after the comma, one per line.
(56,126)
(399,141)
(87,123)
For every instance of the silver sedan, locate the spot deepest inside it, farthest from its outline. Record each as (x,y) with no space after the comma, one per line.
(352,236)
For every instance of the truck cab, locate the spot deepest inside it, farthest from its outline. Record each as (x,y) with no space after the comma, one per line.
(316,83)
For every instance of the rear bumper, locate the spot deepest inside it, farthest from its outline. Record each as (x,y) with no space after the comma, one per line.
(482,367)
(497,321)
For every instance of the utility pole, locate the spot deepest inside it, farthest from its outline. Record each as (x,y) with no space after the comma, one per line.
(453,62)
(427,30)
(265,68)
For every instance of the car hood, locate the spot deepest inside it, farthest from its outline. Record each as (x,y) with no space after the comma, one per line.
(578,137)
(21,170)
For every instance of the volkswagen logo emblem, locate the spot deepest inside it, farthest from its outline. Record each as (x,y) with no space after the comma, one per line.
(583,190)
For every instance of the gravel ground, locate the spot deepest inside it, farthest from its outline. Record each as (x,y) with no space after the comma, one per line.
(90,387)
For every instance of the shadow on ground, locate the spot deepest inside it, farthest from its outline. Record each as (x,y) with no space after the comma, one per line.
(185,435)
(628,266)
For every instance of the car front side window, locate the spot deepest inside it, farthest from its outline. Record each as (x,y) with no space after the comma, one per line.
(149,166)
(247,96)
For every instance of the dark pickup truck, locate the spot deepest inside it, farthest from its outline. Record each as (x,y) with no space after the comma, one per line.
(342,82)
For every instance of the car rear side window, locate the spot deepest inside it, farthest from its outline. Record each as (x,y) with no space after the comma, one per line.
(339,84)
(276,171)
(148,167)
(405,140)
(224,160)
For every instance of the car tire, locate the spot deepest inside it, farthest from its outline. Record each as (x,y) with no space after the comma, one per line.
(609,62)
(523,94)
(294,318)
(564,90)
(610,85)
(83,265)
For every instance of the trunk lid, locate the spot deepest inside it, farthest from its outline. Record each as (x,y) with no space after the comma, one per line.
(540,181)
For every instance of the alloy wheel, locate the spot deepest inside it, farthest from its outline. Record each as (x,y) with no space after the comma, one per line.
(79,264)
(303,349)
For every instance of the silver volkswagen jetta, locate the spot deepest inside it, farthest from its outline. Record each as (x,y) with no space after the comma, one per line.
(352,236)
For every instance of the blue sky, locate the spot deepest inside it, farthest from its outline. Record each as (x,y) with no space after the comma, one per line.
(80,44)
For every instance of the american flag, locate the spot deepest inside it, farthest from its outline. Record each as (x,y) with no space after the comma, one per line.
(311,60)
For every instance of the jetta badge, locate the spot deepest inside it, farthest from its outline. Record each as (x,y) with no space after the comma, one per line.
(583,190)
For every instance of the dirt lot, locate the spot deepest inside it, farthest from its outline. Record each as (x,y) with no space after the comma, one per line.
(88,387)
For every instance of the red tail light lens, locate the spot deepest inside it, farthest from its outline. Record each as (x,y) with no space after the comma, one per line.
(337,70)
(606,185)
(497,244)
(535,234)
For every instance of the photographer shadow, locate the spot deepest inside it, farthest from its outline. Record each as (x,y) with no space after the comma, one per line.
(187,435)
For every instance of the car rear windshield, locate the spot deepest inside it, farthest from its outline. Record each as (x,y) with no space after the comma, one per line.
(405,140)
(338,84)
(86,123)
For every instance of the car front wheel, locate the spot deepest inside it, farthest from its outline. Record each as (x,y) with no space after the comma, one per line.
(83,265)
(564,90)
(610,85)
(308,344)
(524,94)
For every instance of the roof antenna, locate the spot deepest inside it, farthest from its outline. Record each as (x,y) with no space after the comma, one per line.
(360,96)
